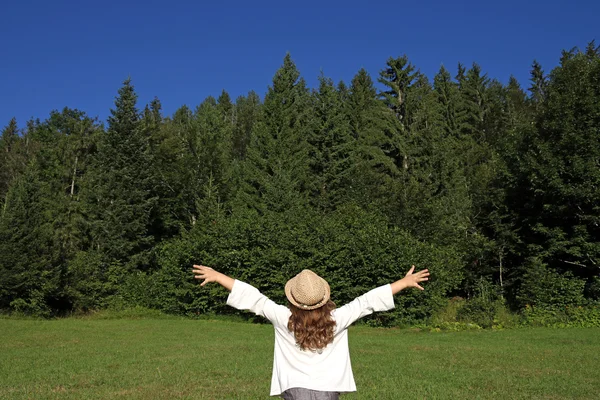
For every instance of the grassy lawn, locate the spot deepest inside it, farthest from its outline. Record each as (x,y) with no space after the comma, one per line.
(186,359)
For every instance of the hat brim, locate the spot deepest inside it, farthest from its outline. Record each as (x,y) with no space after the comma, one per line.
(288,294)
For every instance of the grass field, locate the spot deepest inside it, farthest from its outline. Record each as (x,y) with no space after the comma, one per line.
(186,359)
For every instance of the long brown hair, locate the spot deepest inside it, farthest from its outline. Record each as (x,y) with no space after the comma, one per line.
(313,329)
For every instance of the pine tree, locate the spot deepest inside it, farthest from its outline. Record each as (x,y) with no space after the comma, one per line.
(10,135)
(398,76)
(211,159)
(329,146)
(164,149)
(276,169)
(539,84)
(560,217)
(173,160)
(447,93)
(247,109)
(120,198)
(67,141)
(431,181)
(375,145)
(27,265)
(473,93)
(8,157)
(226,108)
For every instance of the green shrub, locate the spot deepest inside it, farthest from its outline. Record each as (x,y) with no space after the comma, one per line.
(544,287)
(483,308)
(562,317)
(504,317)
(34,306)
(593,289)
(454,327)
(479,312)
(126,313)
(353,249)
(448,313)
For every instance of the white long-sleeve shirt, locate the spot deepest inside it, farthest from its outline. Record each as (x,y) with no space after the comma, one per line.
(329,370)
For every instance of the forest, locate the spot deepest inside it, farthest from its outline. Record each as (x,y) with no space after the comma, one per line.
(495,188)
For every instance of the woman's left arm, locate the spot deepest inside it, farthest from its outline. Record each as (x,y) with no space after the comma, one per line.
(210,275)
(244,296)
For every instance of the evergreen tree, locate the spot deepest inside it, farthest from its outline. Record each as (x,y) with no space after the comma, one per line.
(398,76)
(246,111)
(165,151)
(501,186)
(431,182)
(210,147)
(473,102)
(539,84)
(8,157)
(27,266)
(275,173)
(175,166)
(329,146)
(560,216)
(375,144)
(226,108)
(120,197)
(447,93)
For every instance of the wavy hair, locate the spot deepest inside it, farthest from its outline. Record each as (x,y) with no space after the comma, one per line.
(313,329)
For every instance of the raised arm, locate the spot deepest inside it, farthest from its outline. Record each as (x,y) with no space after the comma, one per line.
(210,275)
(244,296)
(378,299)
(410,280)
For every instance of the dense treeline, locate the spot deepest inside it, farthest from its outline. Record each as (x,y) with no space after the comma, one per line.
(494,188)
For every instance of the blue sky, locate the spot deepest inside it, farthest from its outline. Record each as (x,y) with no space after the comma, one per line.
(77,53)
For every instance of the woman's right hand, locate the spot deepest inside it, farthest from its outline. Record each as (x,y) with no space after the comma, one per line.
(206,273)
(411,280)
(210,275)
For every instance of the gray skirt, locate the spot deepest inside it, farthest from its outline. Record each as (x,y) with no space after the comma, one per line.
(308,394)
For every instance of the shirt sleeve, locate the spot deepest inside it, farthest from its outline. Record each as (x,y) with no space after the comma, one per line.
(246,297)
(378,299)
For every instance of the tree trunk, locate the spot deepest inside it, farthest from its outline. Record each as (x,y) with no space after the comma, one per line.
(500,259)
(73,180)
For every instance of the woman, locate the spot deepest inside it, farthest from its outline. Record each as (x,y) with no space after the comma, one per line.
(312,359)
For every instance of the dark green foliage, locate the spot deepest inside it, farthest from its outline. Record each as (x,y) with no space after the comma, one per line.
(275,171)
(206,161)
(8,140)
(354,250)
(375,145)
(330,146)
(493,189)
(42,222)
(429,193)
(559,186)
(483,308)
(539,84)
(120,194)
(562,317)
(247,110)
(543,287)
(447,91)
(13,157)
(28,271)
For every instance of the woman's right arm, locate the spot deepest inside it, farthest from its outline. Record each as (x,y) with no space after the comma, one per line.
(378,299)
(210,275)
(244,296)
(410,280)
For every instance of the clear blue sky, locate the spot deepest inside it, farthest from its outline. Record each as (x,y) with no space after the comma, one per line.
(77,53)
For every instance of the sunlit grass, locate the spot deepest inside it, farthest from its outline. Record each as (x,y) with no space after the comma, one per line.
(186,359)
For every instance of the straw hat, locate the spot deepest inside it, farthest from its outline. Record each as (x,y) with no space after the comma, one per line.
(307,290)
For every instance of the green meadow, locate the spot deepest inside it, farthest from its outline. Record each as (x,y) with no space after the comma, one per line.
(172,358)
